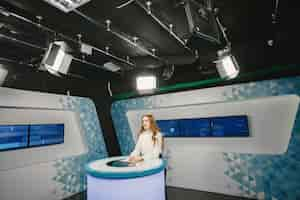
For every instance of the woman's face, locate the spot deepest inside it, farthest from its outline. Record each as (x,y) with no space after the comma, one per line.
(146,123)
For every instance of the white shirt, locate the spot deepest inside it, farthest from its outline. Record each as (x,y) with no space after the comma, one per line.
(145,146)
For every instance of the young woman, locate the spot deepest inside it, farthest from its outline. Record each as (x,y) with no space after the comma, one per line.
(150,141)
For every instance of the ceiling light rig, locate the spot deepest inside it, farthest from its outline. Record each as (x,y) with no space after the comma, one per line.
(135,39)
(57,59)
(128,58)
(227,66)
(167,27)
(107,49)
(56,34)
(108,23)
(61,49)
(79,38)
(148,4)
(147,7)
(123,36)
(39,18)
(53,67)
(274,19)
(66,5)
(153,51)
(171,26)
(125,4)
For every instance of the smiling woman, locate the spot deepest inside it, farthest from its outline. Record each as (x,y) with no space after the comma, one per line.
(150,141)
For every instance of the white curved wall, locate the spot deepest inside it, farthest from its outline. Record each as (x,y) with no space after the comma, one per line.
(23,157)
(55,171)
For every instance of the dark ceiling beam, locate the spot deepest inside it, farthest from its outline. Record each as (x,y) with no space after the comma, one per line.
(28,44)
(120,35)
(7,13)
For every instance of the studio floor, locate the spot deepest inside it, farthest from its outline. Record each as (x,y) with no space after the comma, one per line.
(179,194)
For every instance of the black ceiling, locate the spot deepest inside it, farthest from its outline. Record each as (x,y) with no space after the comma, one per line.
(248,24)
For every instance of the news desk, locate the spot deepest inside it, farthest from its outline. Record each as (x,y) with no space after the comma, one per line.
(115,179)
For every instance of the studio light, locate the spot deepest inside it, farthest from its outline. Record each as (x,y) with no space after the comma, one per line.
(3,74)
(57,60)
(110,66)
(67,5)
(227,65)
(145,83)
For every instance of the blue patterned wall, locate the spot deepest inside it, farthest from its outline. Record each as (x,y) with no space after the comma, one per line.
(276,177)
(269,177)
(70,171)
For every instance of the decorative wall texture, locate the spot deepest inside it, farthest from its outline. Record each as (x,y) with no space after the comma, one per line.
(70,171)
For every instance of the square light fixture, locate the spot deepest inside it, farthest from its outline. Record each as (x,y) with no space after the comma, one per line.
(56,60)
(66,5)
(111,66)
(146,82)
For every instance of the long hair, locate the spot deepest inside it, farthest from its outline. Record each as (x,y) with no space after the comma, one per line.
(153,126)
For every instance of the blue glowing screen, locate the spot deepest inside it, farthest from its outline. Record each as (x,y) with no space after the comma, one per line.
(229,126)
(13,136)
(24,136)
(46,134)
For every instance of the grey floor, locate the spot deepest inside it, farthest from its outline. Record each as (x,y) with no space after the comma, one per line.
(179,194)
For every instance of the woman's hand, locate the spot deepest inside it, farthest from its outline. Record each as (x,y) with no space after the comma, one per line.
(135,159)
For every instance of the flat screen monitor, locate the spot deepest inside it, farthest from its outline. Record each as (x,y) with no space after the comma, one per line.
(227,126)
(46,134)
(13,137)
(231,126)
(194,127)
(169,128)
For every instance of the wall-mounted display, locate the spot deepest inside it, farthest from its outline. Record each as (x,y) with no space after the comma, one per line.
(225,126)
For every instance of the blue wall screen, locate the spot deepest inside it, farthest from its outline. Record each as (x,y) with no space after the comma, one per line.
(13,136)
(194,127)
(46,134)
(24,136)
(229,126)
(169,127)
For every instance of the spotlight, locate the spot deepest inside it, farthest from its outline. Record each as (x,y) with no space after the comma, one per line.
(3,74)
(67,5)
(111,66)
(56,60)
(227,65)
(146,83)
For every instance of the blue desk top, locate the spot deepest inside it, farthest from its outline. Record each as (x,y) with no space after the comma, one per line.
(107,168)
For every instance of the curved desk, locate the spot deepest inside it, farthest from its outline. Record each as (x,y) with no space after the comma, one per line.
(115,179)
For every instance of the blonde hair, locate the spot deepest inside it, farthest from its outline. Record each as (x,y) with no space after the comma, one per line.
(153,127)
